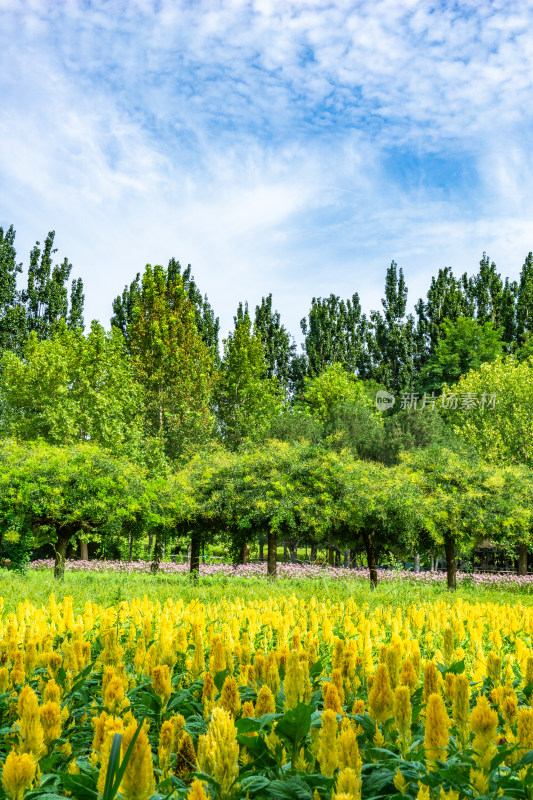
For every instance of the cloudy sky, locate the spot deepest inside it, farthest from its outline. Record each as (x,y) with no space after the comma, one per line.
(277,146)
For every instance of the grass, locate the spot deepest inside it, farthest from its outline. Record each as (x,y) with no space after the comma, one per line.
(110,588)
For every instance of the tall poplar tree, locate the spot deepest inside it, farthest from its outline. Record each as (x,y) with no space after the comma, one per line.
(279,348)
(207,324)
(46,297)
(393,344)
(44,302)
(524,300)
(246,399)
(444,300)
(12,312)
(172,362)
(335,331)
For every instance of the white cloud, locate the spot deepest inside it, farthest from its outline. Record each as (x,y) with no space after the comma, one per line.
(253,139)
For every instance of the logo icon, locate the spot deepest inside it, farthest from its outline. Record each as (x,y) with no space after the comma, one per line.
(384,400)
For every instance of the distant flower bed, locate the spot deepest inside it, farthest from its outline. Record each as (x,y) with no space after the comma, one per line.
(294,571)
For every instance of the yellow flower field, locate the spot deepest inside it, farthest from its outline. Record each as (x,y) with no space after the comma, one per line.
(279,699)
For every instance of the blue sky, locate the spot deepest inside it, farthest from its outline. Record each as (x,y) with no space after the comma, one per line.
(285,147)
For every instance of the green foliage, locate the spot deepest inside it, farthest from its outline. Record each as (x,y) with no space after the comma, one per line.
(207,324)
(58,493)
(73,388)
(279,350)
(46,296)
(172,363)
(465,345)
(12,312)
(44,303)
(333,387)
(335,331)
(246,399)
(503,433)
(393,346)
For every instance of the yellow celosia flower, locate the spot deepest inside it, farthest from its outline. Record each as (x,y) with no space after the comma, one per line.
(431,681)
(185,758)
(449,686)
(18,774)
(229,696)
(217,656)
(208,694)
(348,749)
(51,692)
(381,697)
(408,675)
(331,699)
(55,661)
(161,682)
(448,646)
(437,729)
(525,728)
(112,725)
(218,751)
(164,745)
(265,703)
(393,658)
(400,783)
(327,753)
(348,785)
(293,686)
(4,679)
(479,781)
(403,715)
(423,792)
(114,700)
(196,791)
(51,721)
(138,781)
(18,673)
(30,732)
(272,674)
(461,707)
(484,722)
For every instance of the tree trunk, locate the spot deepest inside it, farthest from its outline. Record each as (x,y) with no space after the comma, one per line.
(314,553)
(284,552)
(432,562)
(451,566)
(195,556)
(346,558)
(371,558)
(417,562)
(331,556)
(61,553)
(522,560)
(261,552)
(244,554)
(84,551)
(294,553)
(272,557)
(150,542)
(158,552)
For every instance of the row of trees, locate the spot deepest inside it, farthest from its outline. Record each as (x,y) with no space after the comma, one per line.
(390,346)
(300,493)
(259,441)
